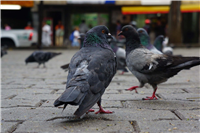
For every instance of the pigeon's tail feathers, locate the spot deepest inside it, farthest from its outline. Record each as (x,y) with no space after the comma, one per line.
(55,54)
(87,104)
(186,62)
(65,67)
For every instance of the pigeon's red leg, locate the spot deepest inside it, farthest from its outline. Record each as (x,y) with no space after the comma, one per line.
(152,97)
(91,110)
(101,110)
(121,73)
(133,88)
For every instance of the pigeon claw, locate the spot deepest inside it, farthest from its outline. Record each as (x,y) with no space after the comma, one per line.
(90,110)
(133,88)
(150,98)
(122,73)
(101,110)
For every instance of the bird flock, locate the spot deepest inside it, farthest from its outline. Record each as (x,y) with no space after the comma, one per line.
(93,67)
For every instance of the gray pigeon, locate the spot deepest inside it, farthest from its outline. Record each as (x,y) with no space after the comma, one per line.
(3,50)
(40,57)
(149,67)
(91,70)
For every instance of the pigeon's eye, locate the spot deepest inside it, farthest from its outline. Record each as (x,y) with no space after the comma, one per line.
(103,31)
(126,29)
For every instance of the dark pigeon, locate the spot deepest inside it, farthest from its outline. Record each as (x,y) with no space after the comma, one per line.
(3,50)
(120,54)
(40,57)
(91,70)
(149,67)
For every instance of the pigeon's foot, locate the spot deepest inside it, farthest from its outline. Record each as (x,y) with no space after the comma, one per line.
(90,110)
(101,110)
(150,98)
(133,88)
(122,73)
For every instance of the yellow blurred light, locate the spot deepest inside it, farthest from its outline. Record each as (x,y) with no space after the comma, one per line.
(10,7)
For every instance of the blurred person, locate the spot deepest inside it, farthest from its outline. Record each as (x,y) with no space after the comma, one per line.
(59,28)
(7,27)
(134,24)
(159,29)
(76,34)
(147,25)
(83,27)
(28,27)
(46,34)
(118,29)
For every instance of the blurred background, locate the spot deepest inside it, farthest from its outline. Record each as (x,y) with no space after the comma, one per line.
(177,20)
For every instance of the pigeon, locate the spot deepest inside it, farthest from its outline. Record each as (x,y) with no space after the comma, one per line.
(3,51)
(91,70)
(40,57)
(166,49)
(145,41)
(149,67)
(158,43)
(120,54)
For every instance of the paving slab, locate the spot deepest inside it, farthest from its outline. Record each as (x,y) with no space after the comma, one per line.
(93,125)
(169,126)
(28,94)
(8,127)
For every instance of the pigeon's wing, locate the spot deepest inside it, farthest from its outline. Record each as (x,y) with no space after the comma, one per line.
(42,56)
(145,61)
(102,67)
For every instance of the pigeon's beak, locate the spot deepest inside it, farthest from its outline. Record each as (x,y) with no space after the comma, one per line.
(109,36)
(120,33)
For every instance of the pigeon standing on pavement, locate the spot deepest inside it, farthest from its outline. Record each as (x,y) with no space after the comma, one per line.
(149,67)
(3,50)
(40,57)
(120,54)
(91,70)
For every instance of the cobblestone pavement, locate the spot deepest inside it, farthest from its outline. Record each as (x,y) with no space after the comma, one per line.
(28,93)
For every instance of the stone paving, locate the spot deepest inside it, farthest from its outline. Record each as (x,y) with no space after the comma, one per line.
(28,93)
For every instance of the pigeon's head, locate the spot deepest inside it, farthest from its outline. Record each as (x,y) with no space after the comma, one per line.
(30,59)
(129,32)
(101,30)
(142,32)
(160,39)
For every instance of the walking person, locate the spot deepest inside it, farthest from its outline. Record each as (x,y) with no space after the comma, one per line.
(46,34)
(59,33)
